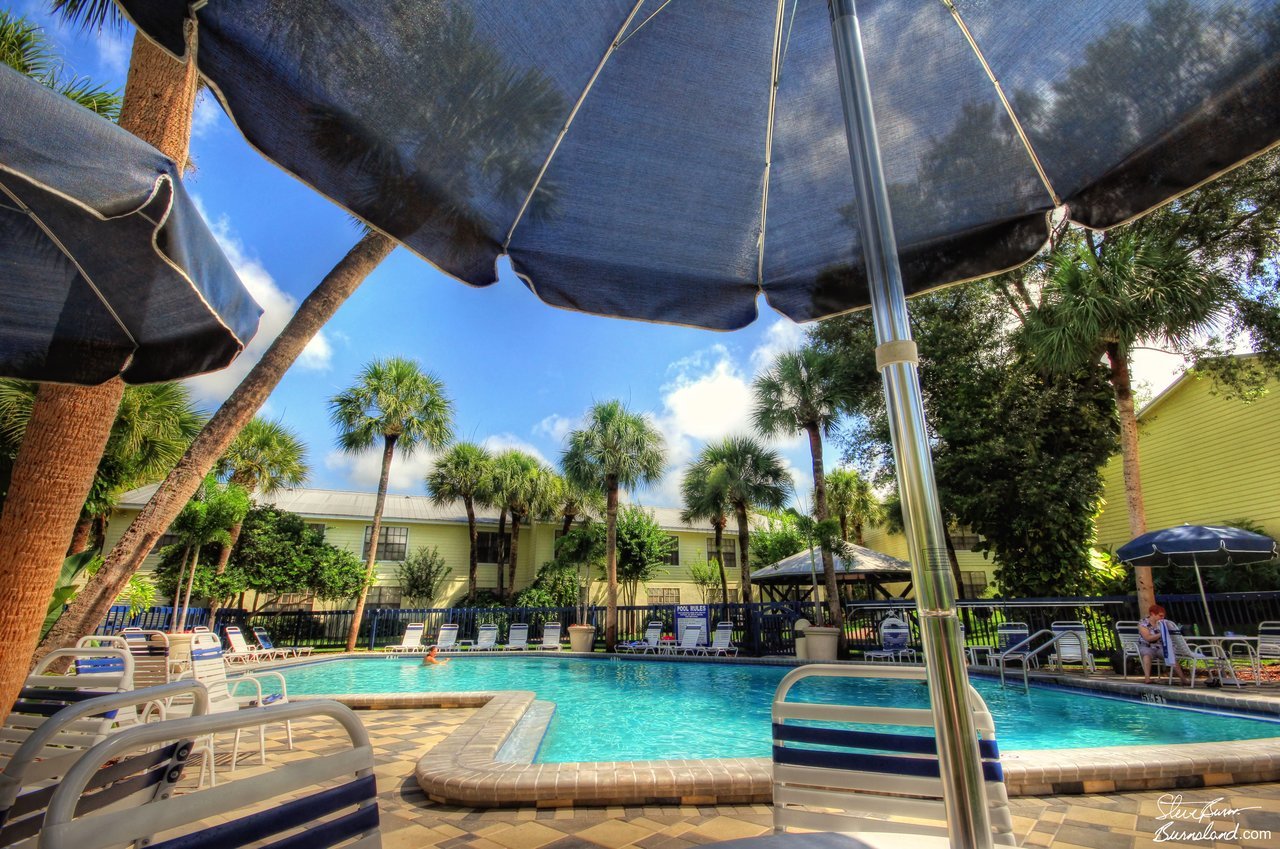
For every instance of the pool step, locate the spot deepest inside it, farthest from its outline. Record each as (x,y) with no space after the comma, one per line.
(522,745)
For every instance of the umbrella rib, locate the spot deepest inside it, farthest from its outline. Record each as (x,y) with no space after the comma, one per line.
(774,74)
(573,113)
(1004,100)
(57,243)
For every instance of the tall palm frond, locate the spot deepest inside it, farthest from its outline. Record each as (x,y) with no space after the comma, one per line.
(393,398)
(265,456)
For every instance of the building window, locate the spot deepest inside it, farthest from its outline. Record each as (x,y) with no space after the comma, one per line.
(730,549)
(384,597)
(713,595)
(663,595)
(165,541)
(487,549)
(319,527)
(393,543)
(974,583)
(673,556)
(964,539)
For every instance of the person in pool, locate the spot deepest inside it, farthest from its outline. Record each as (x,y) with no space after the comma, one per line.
(432,660)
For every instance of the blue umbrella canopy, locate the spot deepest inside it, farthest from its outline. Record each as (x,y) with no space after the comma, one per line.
(106,267)
(1198,545)
(672,161)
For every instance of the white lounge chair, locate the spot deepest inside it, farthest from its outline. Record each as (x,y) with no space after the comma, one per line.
(1009,635)
(844,777)
(1072,649)
(208,667)
(412,639)
(690,638)
(152,664)
(318,799)
(1178,650)
(1129,639)
(240,651)
(652,640)
(264,640)
(517,637)
(39,749)
(895,642)
(486,639)
(550,637)
(447,638)
(721,642)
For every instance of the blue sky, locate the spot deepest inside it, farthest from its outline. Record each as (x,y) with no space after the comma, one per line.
(520,373)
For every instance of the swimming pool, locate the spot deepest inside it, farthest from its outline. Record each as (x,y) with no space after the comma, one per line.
(611,710)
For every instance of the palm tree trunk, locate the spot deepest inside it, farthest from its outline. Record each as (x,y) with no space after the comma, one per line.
(834,611)
(1121,383)
(718,524)
(512,555)
(844,529)
(186,599)
(567,525)
(502,546)
(88,608)
(474,565)
(49,487)
(388,452)
(857,533)
(744,564)
(177,589)
(611,564)
(80,536)
(224,557)
(955,565)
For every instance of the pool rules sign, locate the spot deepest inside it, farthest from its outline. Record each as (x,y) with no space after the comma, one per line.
(693,614)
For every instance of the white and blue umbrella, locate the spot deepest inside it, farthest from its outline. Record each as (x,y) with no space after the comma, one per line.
(674,160)
(106,267)
(1195,546)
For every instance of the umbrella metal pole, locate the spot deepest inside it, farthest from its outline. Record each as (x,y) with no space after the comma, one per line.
(967,818)
(1204,599)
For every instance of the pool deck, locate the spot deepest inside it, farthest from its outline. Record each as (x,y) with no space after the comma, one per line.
(465,769)
(1119,820)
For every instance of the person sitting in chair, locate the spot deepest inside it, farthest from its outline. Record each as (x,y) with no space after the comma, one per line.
(1151,644)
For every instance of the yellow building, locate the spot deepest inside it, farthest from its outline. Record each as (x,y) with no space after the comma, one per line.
(1205,458)
(976,571)
(410,522)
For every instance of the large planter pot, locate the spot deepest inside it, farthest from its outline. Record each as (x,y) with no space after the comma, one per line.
(582,638)
(821,642)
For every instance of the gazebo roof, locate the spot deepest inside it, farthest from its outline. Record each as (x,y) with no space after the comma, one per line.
(857,561)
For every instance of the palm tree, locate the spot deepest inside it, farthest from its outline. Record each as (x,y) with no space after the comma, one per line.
(265,456)
(798,393)
(395,400)
(463,474)
(576,501)
(519,108)
(851,500)
(25,48)
(751,477)
(703,494)
(1101,299)
(524,488)
(616,449)
(207,518)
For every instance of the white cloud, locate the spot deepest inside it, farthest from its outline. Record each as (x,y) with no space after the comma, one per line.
(556,427)
(113,51)
(362,471)
(278,307)
(507,441)
(782,336)
(207,114)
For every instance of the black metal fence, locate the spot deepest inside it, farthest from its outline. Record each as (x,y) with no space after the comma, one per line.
(766,628)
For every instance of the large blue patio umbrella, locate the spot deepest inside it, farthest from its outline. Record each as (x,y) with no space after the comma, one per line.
(106,267)
(1196,546)
(672,160)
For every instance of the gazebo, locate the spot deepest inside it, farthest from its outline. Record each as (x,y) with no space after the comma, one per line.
(791,579)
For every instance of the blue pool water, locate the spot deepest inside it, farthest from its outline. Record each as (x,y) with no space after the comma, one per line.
(610,710)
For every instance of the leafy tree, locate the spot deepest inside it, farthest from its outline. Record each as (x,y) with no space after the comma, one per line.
(616,449)
(581,548)
(643,549)
(422,575)
(278,554)
(464,473)
(853,503)
(705,576)
(776,535)
(799,392)
(555,585)
(265,456)
(206,520)
(398,403)
(1017,452)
